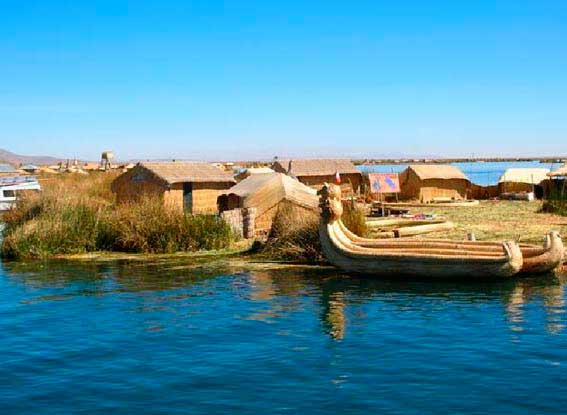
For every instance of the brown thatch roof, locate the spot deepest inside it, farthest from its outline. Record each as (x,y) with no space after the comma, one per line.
(263,191)
(251,171)
(187,171)
(437,171)
(560,172)
(524,175)
(316,167)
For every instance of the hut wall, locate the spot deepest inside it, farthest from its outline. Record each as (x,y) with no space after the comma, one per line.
(514,187)
(413,188)
(205,196)
(450,189)
(136,183)
(174,196)
(483,192)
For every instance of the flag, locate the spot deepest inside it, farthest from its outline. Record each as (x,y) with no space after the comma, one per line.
(384,182)
(337,178)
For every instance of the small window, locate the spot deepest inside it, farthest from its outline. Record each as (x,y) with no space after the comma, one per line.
(9,193)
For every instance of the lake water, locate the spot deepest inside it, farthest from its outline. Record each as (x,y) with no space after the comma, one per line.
(483,174)
(159,338)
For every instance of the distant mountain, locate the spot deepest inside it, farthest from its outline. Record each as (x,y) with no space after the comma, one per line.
(16,159)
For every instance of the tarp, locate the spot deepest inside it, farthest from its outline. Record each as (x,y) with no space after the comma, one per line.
(384,182)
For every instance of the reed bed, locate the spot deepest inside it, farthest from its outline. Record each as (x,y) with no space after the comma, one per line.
(294,237)
(78,214)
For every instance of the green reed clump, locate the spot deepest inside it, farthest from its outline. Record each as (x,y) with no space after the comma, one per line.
(78,214)
(294,237)
(71,230)
(149,226)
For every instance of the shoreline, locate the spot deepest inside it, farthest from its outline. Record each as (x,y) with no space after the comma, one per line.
(428,160)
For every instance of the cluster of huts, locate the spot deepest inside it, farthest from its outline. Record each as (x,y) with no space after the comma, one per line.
(251,199)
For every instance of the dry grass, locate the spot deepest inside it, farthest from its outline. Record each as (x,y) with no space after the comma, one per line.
(294,237)
(77,214)
(498,220)
(354,219)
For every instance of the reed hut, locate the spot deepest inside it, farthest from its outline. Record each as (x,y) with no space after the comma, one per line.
(316,172)
(189,185)
(267,194)
(434,183)
(519,180)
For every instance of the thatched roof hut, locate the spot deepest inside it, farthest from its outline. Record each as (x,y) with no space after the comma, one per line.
(267,194)
(524,175)
(523,179)
(317,172)
(173,172)
(434,182)
(190,185)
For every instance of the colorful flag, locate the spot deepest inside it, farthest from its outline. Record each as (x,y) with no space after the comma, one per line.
(384,182)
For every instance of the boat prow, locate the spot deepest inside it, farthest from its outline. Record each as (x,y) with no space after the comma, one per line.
(543,260)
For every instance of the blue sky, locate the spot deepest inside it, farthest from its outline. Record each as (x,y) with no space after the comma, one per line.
(253,79)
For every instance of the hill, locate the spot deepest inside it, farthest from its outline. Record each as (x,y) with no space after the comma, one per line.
(16,159)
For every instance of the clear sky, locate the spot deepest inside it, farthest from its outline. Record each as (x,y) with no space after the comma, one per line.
(253,79)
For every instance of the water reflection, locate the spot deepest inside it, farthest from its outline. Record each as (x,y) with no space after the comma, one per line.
(549,291)
(283,292)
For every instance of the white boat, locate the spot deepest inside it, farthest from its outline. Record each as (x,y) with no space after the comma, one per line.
(11,186)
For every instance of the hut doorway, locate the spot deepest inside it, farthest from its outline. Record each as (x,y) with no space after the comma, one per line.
(538,191)
(188,197)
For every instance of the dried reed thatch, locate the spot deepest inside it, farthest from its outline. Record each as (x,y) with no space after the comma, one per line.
(437,171)
(524,175)
(315,167)
(264,191)
(187,172)
(560,172)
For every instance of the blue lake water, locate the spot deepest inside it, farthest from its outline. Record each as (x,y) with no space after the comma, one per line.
(483,174)
(158,338)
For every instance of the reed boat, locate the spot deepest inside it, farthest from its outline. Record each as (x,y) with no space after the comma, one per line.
(398,257)
(453,203)
(404,227)
(536,259)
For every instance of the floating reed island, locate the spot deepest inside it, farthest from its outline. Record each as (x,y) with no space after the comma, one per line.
(171,207)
